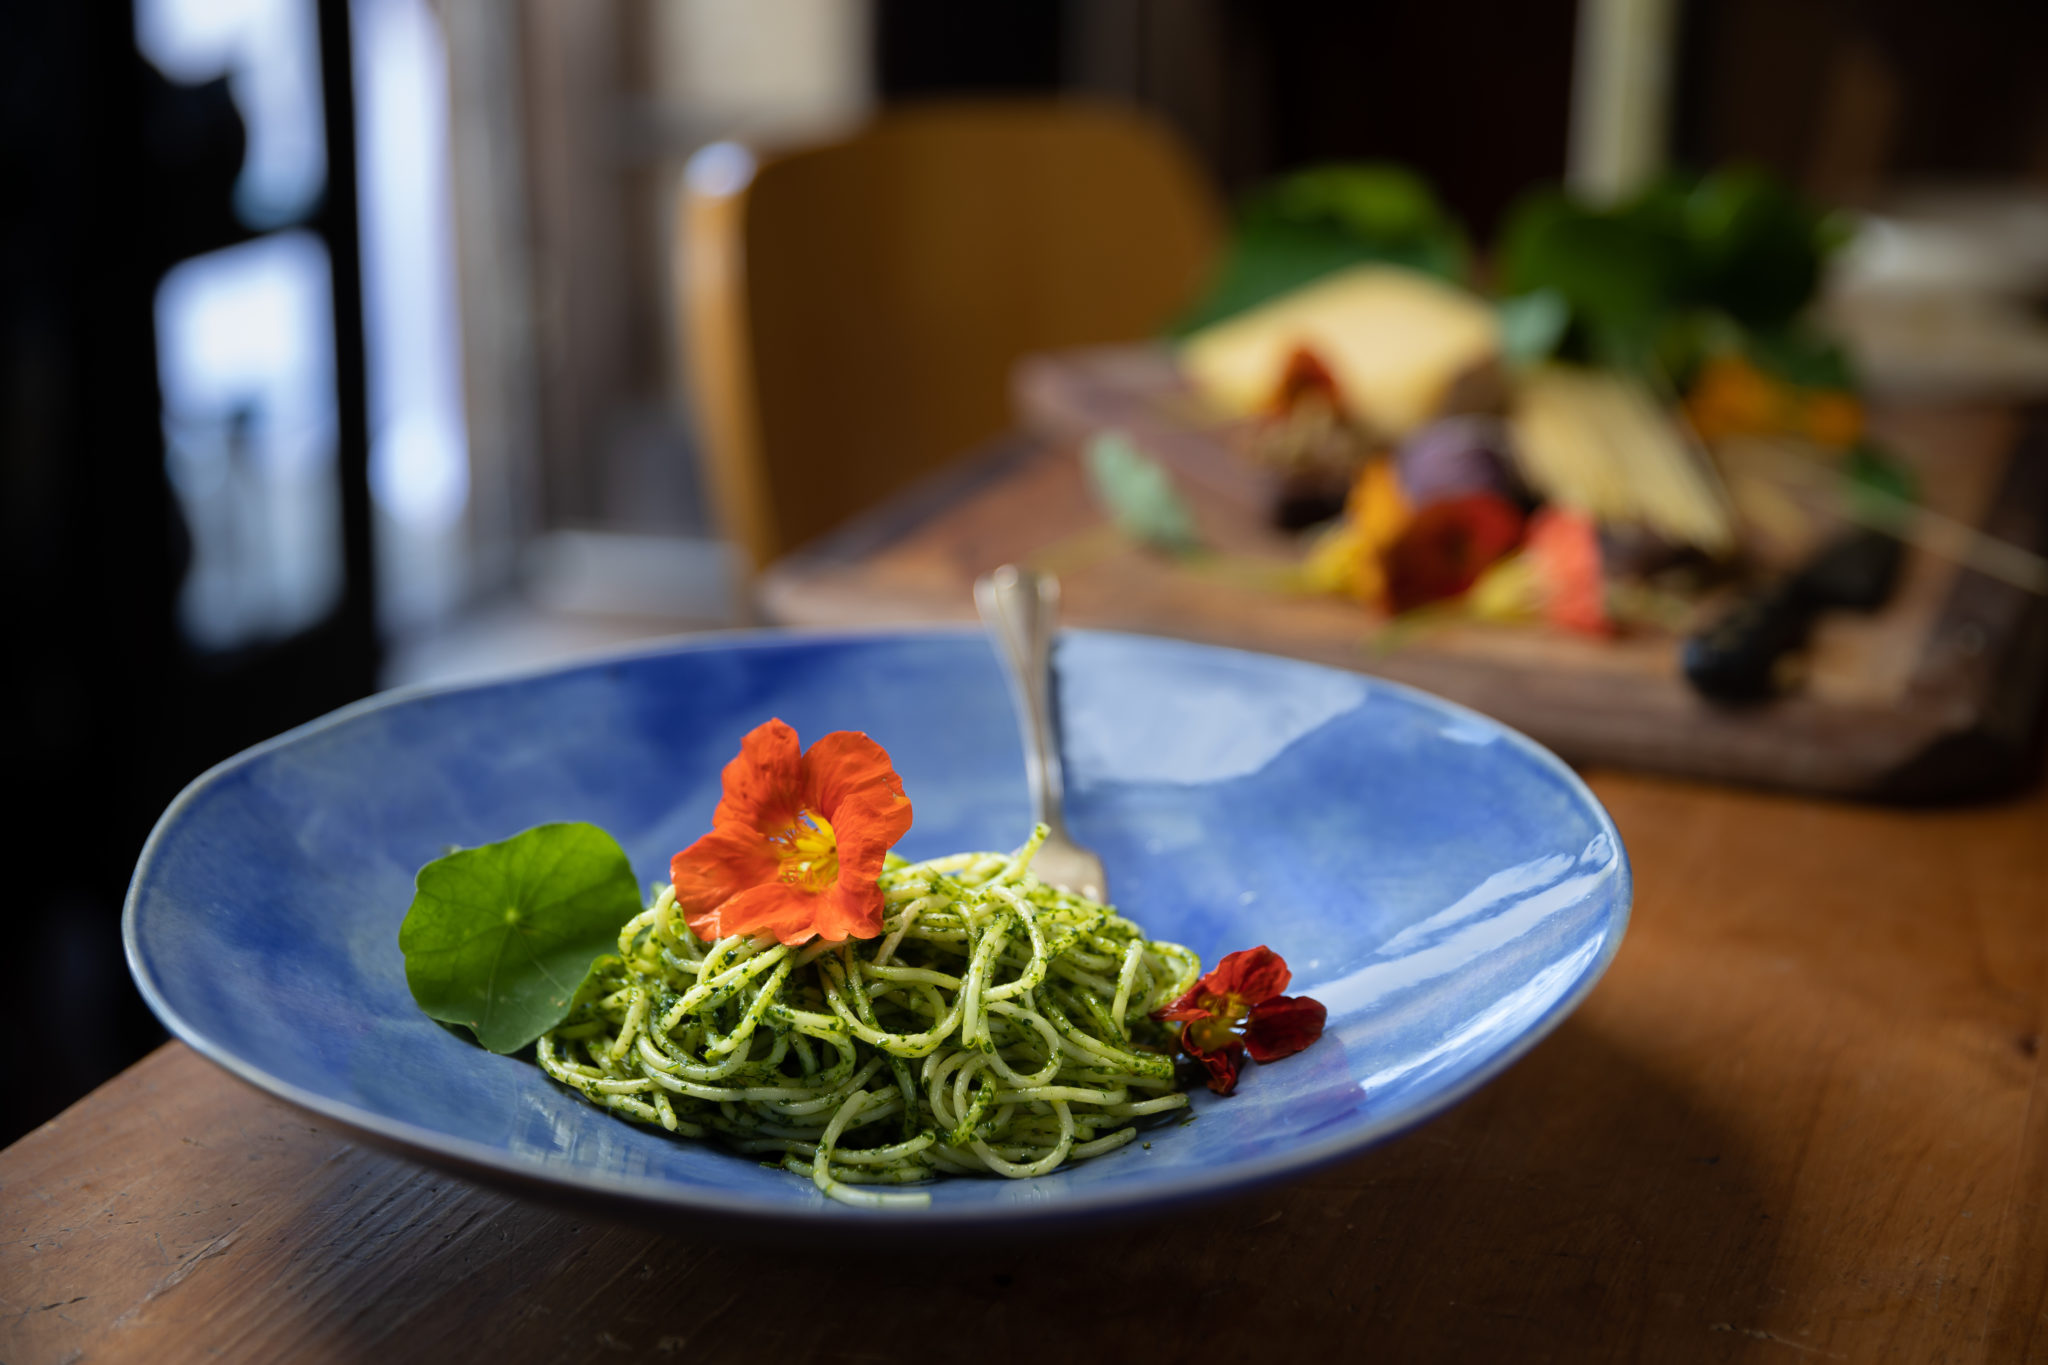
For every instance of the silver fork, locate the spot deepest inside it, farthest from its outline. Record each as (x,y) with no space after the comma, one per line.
(1020,607)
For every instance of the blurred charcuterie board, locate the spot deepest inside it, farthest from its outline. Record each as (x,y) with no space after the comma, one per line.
(1937,694)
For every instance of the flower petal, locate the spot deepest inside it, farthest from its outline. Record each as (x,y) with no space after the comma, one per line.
(1283,1026)
(718,867)
(865,827)
(842,764)
(1189,1006)
(847,911)
(730,881)
(771,908)
(764,787)
(1222,1064)
(1252,974)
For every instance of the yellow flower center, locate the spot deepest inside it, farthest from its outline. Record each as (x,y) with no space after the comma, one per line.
(808,852)
(1225,1013)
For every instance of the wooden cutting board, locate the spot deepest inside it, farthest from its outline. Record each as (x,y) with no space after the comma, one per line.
(1937,695)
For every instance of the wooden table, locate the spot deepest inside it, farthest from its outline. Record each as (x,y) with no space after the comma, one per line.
(1805,1117)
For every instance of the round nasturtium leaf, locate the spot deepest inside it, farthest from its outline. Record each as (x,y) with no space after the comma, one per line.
(499,937)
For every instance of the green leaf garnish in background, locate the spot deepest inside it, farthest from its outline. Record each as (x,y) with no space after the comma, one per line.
(1654,282)
(499,937)
(1316,221)
(1802,357)
(1532,325)
(1139,495)
(1879,485)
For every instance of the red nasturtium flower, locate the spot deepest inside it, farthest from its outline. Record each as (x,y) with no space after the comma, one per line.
(797,840)
(1447,546)
(1244,989)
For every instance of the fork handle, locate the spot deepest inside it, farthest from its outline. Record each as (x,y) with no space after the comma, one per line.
(1020,608)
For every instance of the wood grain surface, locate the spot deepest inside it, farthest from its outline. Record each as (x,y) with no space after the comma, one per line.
(1802,1119)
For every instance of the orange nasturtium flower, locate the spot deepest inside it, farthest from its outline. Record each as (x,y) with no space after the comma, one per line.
(1243,992)
(797,840)
(1732,397)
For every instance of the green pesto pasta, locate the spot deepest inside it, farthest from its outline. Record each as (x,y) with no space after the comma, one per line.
(996,1026)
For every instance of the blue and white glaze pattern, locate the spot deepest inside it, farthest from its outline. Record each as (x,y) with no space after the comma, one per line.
(1448,889)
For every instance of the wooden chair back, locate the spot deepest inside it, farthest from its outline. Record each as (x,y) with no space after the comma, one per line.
(851,311)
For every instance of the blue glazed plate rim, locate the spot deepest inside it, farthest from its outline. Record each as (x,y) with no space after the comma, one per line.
(494,1163)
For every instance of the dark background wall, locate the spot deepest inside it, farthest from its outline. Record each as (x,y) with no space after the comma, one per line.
(114,175)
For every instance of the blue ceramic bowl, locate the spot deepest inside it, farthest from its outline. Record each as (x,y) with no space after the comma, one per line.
(1447,888)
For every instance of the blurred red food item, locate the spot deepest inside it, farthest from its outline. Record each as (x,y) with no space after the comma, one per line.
(1306,375)
(1447,546)
(1565,549)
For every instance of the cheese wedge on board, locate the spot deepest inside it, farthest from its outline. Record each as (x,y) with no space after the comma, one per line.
(1395,340)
